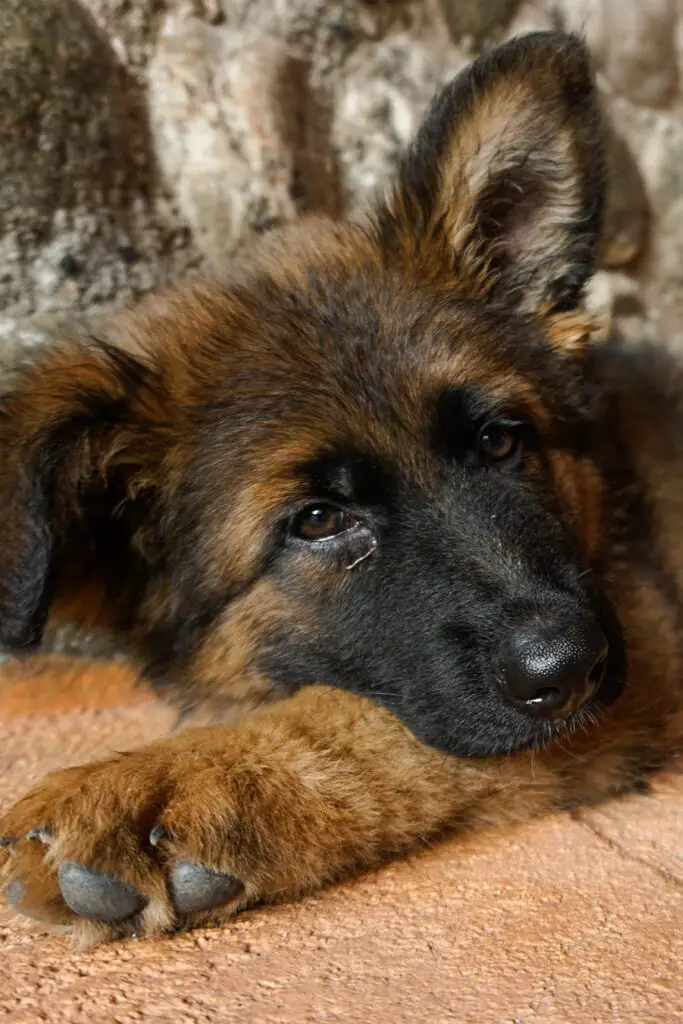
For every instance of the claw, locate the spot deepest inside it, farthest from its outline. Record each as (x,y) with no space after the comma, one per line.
(195,888)
(158,834)
(98,896)
(43,833)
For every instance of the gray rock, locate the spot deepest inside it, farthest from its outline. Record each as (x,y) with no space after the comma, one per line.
(80,223)
(640,58)
(220,122)
(386,87)
(587,18)
(626,213)
(532,16)
(477,19)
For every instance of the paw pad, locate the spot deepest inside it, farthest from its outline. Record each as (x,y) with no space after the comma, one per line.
(98,896)
(194,888)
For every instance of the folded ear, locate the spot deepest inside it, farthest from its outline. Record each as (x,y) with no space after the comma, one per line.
(77,474)
(503,185)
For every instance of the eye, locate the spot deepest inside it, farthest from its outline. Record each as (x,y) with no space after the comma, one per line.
(500,442)
(320,522)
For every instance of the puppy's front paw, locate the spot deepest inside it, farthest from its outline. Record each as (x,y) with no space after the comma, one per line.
(164,838)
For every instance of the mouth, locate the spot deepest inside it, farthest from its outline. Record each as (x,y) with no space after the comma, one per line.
(542,734)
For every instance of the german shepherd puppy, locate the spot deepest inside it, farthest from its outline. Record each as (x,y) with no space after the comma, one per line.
(379,509)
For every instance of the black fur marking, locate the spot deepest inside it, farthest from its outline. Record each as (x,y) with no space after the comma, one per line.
(349,476)
(454,415)
(455,575)
(25,592)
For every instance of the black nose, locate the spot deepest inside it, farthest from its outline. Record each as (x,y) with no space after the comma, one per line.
(549,671)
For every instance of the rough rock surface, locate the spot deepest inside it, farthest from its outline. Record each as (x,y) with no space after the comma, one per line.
(570,918)
(144,139)
(141,139)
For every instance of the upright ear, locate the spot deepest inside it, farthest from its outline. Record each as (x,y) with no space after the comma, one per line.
(77,473)
(503,185)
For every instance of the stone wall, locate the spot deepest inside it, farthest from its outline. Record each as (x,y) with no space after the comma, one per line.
(144,139)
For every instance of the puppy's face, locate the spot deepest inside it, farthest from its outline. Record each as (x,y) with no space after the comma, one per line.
(365,460)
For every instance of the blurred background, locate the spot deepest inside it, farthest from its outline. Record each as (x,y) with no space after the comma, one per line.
(145,139)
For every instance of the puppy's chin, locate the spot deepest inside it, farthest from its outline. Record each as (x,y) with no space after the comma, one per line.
(508,731)
(539,735)
(516,735)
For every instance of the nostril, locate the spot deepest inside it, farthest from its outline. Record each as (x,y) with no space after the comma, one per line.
(547,696)
(551,672)
(597,673)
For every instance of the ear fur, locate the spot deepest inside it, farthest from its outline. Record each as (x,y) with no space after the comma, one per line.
(72,434)
(503,185)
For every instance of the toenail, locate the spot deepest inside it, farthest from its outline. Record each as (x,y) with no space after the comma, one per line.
(158,834)
(195,888)
(98,896)
(43,833)
(15,892)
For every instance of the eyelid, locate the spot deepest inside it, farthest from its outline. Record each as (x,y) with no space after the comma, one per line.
(524,425)
(506,418)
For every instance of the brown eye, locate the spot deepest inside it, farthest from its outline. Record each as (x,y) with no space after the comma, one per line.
(499,442)
(319,522)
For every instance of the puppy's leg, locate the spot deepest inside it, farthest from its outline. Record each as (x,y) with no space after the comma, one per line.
(192,829)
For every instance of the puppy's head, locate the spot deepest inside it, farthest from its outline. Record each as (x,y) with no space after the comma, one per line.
(366,460)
